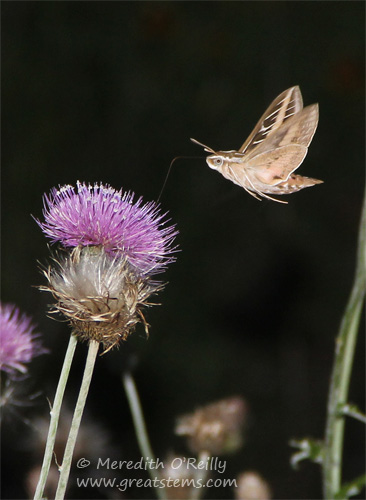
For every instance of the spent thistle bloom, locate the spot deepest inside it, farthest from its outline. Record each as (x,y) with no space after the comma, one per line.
(179,476)
(18,342)
(102,284)
(251,486)
(215,428)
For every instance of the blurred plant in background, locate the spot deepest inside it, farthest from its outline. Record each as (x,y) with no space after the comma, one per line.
(329,452)
(215,428)
(93,442)
(19,342)
(251,486)
(19,345)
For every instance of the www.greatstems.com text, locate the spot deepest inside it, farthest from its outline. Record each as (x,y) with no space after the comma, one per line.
(124,484)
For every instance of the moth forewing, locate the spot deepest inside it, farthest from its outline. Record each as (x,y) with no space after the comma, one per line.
(299,129)
(281,109)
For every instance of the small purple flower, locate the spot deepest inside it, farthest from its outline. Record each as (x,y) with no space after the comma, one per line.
(18,344)
(100,215)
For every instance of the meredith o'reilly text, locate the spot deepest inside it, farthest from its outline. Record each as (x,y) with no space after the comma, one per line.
(210,463)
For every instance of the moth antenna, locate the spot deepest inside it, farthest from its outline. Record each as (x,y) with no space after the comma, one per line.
(206,148)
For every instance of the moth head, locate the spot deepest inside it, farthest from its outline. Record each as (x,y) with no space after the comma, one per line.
(215,161)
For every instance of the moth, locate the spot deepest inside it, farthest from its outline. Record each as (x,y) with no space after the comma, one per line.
(266,162)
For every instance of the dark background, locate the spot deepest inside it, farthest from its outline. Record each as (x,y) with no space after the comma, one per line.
(112,92)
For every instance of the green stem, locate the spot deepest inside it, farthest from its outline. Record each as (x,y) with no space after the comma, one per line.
(140,428)
(340,380)
(75,424)
(55,414)
(354,412)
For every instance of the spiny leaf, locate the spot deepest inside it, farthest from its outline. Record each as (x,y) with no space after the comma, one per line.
(310,449)
(351,410)
(352,488)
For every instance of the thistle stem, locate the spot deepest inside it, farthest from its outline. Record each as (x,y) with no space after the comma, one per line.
(75,424)
(140,427)
(201,476)
(340,380)
(55,414)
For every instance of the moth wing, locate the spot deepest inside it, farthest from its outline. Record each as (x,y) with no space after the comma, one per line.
(274,167)
(299,130)
(286,105)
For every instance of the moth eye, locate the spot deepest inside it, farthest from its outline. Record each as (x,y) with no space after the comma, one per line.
(218,162)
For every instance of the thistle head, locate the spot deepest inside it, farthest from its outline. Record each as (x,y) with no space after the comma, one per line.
(99,215)
(114,246)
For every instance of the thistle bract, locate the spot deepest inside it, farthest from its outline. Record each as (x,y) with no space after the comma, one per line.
(101,295)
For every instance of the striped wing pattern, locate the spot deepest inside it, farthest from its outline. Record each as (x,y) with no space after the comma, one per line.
(282,108)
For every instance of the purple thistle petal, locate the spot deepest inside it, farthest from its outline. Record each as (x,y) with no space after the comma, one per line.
(100,215)
(18,343)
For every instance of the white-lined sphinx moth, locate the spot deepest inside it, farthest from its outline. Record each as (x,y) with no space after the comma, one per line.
(274,150)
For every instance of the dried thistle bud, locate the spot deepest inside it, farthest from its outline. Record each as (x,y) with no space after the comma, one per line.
(102,285)
(215,428)
(179,477)
(251,486)
(100,295)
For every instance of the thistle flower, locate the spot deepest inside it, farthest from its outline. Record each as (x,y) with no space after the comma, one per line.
(102,285)
(19,344)
(101,216)
(215,428)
